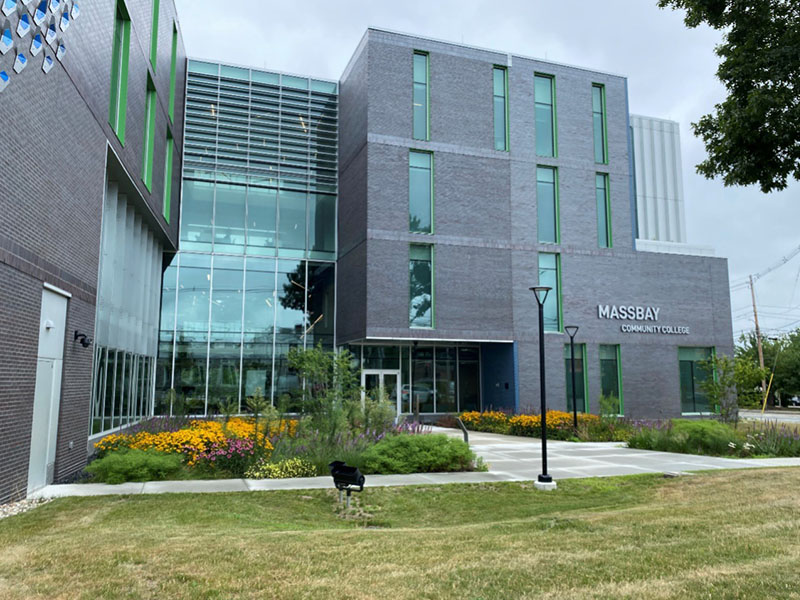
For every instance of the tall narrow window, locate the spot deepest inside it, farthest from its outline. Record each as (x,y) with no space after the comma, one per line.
(610,380)
(692,373)
(168,177)
(603,211)
(154,36)
(421,114)
(420,192)
(580,377)
(545,100)
(149,135)
(550,276)
(118,105)
(599,123)
(421,299)
(500,98)
(173,73)
(547,204)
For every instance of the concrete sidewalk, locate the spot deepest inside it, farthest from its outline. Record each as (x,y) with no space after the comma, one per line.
(509,458)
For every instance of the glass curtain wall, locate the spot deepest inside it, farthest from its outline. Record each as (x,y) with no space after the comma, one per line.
(581,399)
(435,379)
(692,374)
(256,274)
(610,374)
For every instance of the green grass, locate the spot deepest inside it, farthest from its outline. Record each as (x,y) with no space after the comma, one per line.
(732,534)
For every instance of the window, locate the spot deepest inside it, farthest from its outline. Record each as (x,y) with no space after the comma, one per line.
(168,177)
(421,113)
(545,102)
(550,276)
(173,72)
(154,36)
(599,123)
(611,378)
(603,211)
(149,135)
(119,71)
(500,100)
(420,192)
(692,375)
(420,266)
(581,399)
(547,204)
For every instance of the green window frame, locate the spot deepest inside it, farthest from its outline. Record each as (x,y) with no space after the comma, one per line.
(168,176)
(603,197)
(547,205)
(421,113)
(118,101)
(611,373)
(581,378)
(420,192)
(154,36)
(692,373)
(544,97)
(550,275)
(149,141)
(173,73)
(422,292)
(599,125)
(500,104)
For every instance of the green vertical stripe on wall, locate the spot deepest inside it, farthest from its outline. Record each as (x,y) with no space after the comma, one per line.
(154,36)
(173,72)
(168,178)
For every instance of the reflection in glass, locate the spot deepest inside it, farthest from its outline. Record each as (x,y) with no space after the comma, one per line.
(420,191)
(692,375)
(549,276)
(469,379)
(229,218)
(603,211)
(547,205)
(420,100)
(500,92)
(545,115)
(292,220)
(446,380)
(261,220)
(580,377)
(226,325)
(320,303)
(259,320)
(420,267)
(609,372)
(197,215)
(321,224)
(599,123)
(194,285)
(422,380)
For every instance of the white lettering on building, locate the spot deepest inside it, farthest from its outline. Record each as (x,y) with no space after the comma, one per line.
(628,313)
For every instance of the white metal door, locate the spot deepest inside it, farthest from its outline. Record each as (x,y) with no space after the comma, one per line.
(47,394)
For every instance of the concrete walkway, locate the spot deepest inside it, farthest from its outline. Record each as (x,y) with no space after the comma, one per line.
(509,458)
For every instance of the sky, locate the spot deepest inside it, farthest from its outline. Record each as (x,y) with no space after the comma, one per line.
(670,70)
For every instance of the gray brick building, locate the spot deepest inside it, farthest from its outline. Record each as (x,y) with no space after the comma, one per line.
(82,198)
(462,177)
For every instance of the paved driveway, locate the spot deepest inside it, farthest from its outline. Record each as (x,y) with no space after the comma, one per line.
(782,416)
(521,458)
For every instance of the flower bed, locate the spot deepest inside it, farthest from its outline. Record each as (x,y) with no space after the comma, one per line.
(559,423)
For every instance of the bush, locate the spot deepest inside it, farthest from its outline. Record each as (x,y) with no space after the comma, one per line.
(135,465)
(285,469)
(685,436)
(492,421)
(233,457)
(559,424)
(419,454)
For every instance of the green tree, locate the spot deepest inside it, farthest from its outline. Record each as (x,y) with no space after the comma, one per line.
(720,389)
(781,354)
(753,136)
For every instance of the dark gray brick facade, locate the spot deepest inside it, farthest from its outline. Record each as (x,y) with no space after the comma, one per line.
(485,222)
(55,137)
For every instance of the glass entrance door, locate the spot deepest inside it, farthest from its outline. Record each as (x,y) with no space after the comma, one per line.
(374,380)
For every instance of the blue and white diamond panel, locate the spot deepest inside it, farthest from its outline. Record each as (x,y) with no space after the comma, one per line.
(30,28)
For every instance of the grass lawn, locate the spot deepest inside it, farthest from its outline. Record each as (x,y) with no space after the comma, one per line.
(730,534)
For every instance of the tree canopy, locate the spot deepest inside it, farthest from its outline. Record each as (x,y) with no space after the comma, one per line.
(753,136)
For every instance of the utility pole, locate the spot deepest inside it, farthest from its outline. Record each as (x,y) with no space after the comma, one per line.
(758,336)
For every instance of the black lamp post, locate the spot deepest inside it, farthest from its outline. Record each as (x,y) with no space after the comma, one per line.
(572,330)
(540,292)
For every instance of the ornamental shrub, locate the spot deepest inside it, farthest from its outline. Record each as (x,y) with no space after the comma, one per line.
(285,469)
(559,424)
(135,465)
(432,453)
(492,421)
(233,456)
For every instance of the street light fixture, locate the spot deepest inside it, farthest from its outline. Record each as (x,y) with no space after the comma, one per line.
(572,330)
(545,481)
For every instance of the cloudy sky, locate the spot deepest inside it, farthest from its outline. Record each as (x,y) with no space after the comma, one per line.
(670,70)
